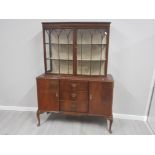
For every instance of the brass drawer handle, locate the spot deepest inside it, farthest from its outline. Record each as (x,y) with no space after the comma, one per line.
(57,95)
(90,97)
(73,85)
(73,95)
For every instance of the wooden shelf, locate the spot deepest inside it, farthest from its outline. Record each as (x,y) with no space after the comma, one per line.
(65,59)
(58,44)
(93,60)
(93,44)
(61,59)
(77,44)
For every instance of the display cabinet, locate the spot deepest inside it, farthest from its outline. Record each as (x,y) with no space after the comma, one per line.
(88,45)
(75,80)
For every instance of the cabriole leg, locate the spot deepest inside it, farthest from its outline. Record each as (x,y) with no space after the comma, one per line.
(109,124)
(38,117)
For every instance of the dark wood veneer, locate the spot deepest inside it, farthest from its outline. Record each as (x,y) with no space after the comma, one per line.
(48,94)
(76,25)
(76,94)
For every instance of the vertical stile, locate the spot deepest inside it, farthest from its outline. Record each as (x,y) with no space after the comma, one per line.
(44,45)
(102,36)
(68,46)
(101,59)
(81,51)
(75,52)
(107,48)
(68,51)
(50,49)
(58,54)
(91,34)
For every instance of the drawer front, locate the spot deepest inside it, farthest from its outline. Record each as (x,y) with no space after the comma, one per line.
(73,85)
(74,96)
(48,94)
(73,106)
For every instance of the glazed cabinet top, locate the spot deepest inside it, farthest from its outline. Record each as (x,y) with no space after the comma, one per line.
(76,48)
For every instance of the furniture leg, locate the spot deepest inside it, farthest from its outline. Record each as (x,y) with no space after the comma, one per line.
(38,117)
(109,124)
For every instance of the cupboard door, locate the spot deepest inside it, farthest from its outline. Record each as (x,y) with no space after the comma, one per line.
(48,94)
(100,98)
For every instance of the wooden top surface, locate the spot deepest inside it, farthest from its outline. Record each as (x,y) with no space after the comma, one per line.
(47,25)
(76,22)
(109,77)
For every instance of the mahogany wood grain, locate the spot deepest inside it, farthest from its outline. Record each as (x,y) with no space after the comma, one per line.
(101,94)
(72,85)
(74,106)
(48,94)
(76,94)
(76,25)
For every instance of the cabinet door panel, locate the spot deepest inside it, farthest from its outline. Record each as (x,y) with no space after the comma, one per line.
(100,98)
(48,94)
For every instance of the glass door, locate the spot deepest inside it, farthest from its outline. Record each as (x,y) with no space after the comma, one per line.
(91,51)
(59,51)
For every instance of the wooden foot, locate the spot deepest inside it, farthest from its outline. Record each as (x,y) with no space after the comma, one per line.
(109,124)
(38,117)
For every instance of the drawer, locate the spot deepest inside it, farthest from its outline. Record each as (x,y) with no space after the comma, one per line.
(73,106)
(73,85)
(74,95)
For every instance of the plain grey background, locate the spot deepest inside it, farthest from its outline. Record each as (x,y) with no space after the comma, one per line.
(131,62)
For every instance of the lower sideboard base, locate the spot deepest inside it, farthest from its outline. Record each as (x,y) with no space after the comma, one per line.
(69,95)
(108,118)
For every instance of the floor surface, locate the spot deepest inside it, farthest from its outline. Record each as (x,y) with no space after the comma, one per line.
(19,123)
